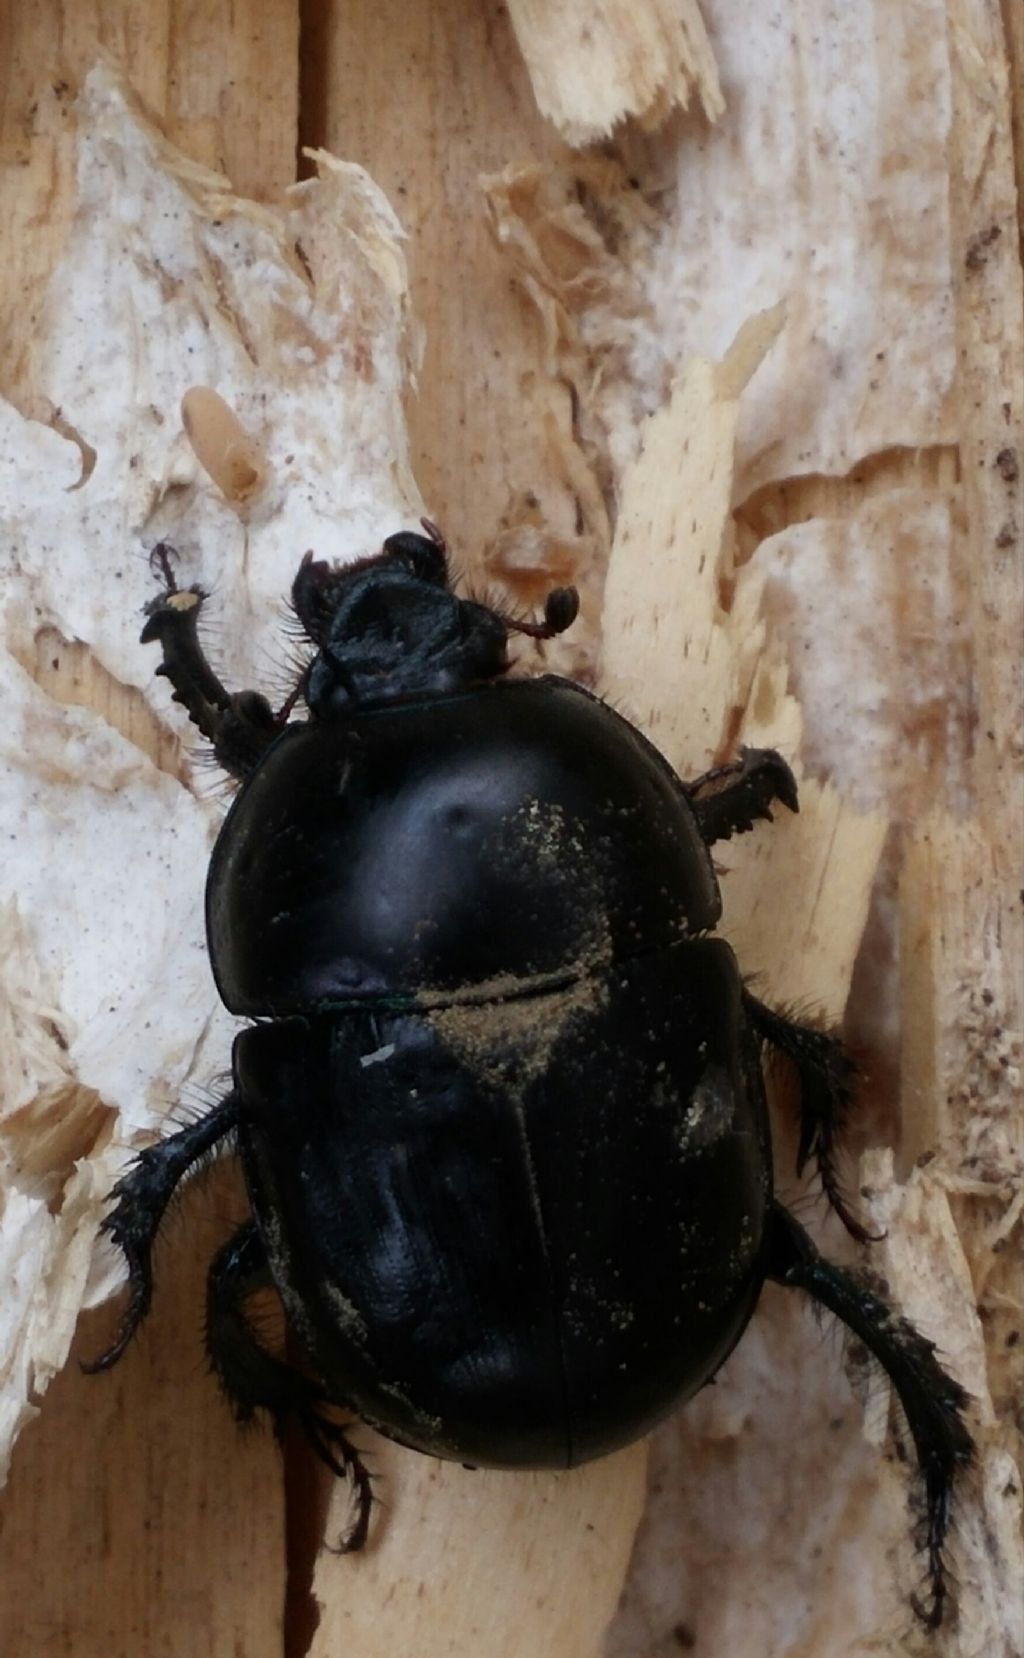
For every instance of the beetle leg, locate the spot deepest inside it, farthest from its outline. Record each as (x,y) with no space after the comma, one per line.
(727,800)
(241,724)
(254,1379)
(934,1404)
(827,1077)
(142,1195)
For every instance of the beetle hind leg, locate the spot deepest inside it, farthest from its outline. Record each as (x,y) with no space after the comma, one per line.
(254,1379)
(933,1403)
(142,1194)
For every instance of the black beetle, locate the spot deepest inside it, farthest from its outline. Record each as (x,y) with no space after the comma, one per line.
(501,1114)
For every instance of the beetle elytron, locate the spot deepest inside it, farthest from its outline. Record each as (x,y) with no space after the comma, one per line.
(501,1114)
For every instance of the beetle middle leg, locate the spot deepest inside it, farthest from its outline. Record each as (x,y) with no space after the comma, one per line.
(826,1076)
(934,1404)
(142,1195)
(254,1379)
(729,799)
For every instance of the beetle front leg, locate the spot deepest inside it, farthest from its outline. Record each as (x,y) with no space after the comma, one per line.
(241,725)
(826,1077)
(254,1379)
(934,1404)
(729,799)
(142,1196)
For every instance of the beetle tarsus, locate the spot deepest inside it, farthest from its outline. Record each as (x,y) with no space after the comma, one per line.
(142,1195)
(827,1078)
(254,1379)
(334,1448)
(162,560)
(729,799)
(933,1403)
(140,1279)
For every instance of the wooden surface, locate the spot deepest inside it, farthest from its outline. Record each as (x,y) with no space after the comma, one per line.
(170,1537)
(243,121)
(963,969)
(428,98)
(135,1522)
(134,1518)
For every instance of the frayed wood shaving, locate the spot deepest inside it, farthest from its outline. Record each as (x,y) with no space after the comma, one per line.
(593,63)
(669,657)
(562,231)
(685,654)
(800,948)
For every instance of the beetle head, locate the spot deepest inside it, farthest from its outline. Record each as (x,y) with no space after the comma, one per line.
(390,626)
